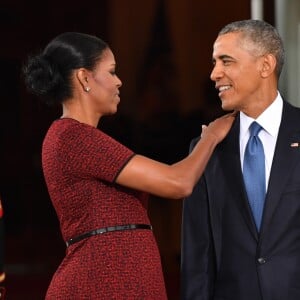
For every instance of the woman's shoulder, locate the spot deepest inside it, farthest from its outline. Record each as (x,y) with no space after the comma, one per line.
(68,126)
(67,129)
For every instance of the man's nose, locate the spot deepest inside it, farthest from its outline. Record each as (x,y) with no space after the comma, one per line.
(216,73)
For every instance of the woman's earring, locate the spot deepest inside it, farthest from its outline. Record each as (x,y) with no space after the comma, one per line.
(87,88)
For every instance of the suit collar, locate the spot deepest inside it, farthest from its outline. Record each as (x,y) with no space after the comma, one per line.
(285,159)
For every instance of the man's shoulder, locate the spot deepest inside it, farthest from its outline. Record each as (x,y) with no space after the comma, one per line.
(291,111)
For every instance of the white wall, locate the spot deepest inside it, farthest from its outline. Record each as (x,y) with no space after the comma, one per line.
(287,20)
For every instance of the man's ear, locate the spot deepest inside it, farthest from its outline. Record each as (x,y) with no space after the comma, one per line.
(268,66)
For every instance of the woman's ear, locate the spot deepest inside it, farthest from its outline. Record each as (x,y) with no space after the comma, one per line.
(269,65)
(82,76)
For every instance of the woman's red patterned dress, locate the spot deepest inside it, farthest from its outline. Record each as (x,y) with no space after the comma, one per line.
(80,164)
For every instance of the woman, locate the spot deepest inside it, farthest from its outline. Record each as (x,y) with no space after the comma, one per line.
(99,187)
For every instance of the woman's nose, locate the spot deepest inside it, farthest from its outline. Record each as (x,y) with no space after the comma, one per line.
(119,82)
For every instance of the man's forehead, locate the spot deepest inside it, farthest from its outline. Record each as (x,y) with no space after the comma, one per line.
(228,43)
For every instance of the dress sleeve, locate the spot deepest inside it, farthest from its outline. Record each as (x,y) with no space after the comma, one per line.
(90,152)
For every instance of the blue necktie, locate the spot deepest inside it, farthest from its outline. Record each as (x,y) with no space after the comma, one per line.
(254,173)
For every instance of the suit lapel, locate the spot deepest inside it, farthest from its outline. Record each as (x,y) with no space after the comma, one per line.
(231,163)
(284,161)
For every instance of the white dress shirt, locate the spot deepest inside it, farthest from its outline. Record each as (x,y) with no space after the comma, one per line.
(270,121)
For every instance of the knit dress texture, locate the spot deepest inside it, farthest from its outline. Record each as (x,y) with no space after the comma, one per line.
(80,165)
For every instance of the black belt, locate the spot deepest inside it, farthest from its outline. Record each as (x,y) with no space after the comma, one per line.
(105,230)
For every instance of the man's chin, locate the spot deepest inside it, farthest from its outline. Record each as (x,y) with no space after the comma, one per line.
(226,106)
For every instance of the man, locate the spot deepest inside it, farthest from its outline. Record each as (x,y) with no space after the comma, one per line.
(236,246)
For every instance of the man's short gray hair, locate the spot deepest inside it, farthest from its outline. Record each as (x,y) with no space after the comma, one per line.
(264,37)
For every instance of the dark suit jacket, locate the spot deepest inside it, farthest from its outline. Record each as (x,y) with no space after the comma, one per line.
(223,256)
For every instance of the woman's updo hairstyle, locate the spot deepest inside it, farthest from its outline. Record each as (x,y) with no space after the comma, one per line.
(48,74)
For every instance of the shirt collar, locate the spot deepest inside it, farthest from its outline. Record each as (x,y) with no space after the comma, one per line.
(269,119)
